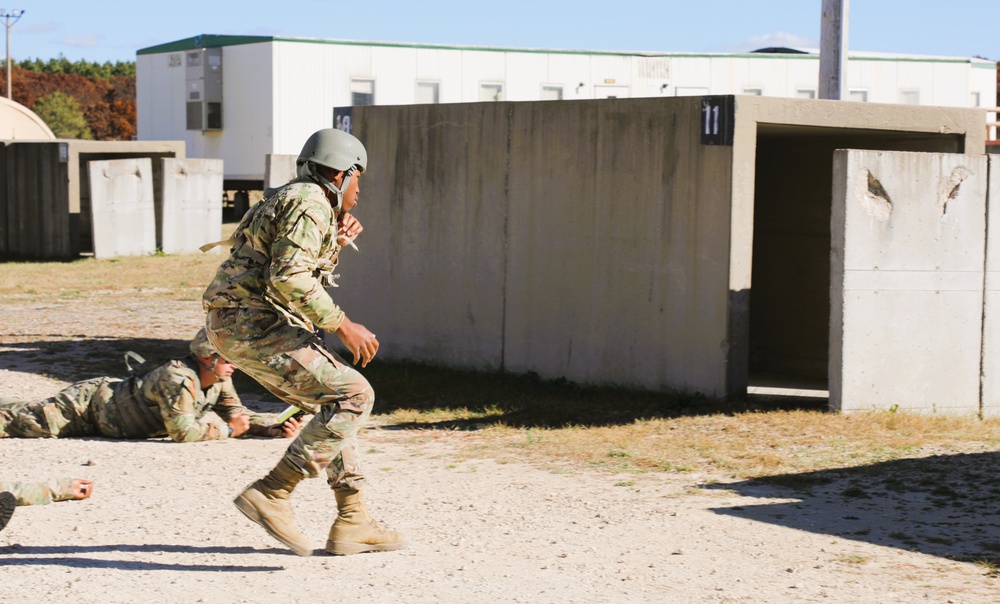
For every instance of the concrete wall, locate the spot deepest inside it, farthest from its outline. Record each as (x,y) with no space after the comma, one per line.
(909,237)
(585,240)
(610,241)
(278,169)
(991,300)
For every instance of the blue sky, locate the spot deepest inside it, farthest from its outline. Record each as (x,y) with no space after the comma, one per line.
(114,30)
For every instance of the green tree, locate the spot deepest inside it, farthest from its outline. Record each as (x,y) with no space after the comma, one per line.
(63,115)
(94,70)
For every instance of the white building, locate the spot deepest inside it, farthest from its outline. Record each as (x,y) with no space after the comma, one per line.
(240,98)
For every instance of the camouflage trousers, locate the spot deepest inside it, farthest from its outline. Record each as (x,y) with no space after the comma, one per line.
(72,412)
(296,366)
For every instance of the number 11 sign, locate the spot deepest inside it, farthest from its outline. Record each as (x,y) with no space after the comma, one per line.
(717,113)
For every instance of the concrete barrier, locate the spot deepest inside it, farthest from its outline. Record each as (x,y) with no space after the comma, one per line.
(189,210)
(909,239)
(122,209)
(45,192)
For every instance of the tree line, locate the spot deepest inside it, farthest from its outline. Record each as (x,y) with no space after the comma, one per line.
(77,99)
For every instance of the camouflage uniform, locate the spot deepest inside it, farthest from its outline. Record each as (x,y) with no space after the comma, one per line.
(39,493)
(264,307)
(167,400)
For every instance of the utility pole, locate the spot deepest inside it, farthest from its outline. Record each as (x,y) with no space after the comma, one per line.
(14,14)
(833,49)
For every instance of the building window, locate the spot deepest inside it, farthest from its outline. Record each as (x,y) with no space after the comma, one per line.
(690,91)
(805,93)
(753,91)
(858,96)
(427,93)
(491,92)
(552,93)
(362,92)
(976,99)
(909,97)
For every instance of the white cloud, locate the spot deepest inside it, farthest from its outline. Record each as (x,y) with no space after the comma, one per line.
(88,41)
(776,39)
(36,28)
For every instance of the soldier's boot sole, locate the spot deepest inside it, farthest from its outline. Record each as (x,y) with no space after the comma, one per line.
(345,548)
(7,504)
(275,516)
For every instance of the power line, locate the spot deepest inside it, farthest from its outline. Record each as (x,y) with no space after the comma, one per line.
(15,14)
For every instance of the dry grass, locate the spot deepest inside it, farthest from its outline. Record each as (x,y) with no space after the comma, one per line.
(137,273)
(512,417)
(641,432)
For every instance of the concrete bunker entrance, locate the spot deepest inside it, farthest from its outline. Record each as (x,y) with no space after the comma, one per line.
(789,323)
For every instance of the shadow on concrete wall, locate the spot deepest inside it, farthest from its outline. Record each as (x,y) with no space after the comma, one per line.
(943,505)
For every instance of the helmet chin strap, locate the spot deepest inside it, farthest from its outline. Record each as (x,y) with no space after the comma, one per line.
(211,366)
(326,183)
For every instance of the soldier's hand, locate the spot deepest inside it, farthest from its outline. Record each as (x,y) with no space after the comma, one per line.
(349,226)
(82,488)
(358,340)
(240,424)
(288,429)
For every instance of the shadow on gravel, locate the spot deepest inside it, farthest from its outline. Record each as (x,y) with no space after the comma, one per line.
(944,505)
(75,357)
(521,400)
(134,565)
(68,555)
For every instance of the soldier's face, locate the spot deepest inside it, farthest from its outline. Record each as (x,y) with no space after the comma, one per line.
(222,368)
(352,192)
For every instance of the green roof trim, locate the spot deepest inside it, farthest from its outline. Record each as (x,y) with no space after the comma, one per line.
(203,41)
(214,41)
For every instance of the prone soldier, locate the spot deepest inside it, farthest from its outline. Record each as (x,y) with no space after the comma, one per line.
(172,399)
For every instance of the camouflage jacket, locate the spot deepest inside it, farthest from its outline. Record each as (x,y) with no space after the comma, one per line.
(169,400)
(283,259)
(39,493)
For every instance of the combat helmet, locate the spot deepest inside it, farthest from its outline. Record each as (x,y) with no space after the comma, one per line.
(200,346)
(334,149)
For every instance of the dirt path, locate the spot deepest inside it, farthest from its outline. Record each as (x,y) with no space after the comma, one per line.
(161,526)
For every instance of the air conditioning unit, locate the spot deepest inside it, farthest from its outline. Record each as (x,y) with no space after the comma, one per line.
(204,89)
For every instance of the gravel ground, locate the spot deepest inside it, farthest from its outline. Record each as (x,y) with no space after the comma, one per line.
(161,526)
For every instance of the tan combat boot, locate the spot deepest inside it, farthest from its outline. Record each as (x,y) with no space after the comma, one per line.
(354,531)
(266,503)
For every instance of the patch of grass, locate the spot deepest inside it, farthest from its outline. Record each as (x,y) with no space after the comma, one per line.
(857,559)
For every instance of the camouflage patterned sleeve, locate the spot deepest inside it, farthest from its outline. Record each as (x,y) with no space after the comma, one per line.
(39,493)
(295,258)
(229,404)
(177,395)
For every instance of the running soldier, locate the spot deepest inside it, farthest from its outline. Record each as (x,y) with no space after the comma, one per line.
(265,306)
(172,400)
